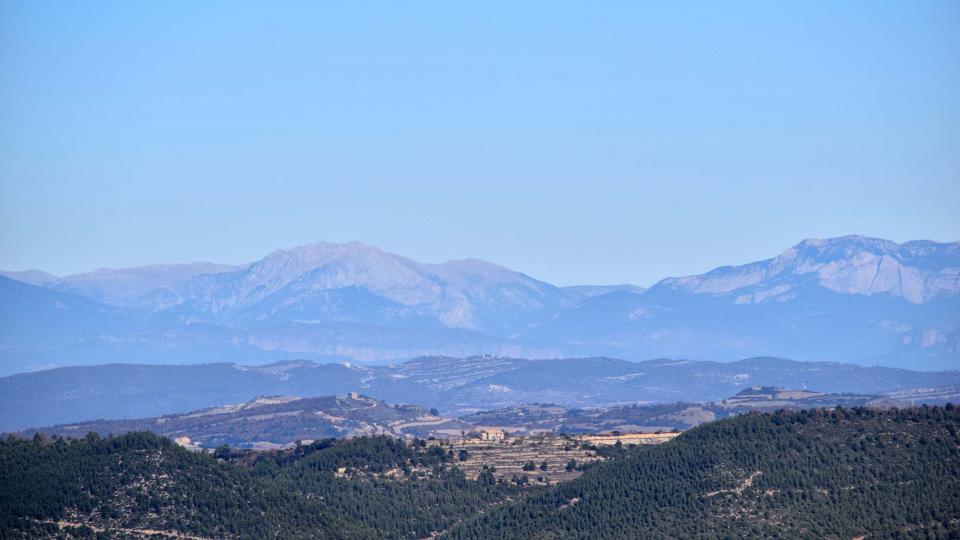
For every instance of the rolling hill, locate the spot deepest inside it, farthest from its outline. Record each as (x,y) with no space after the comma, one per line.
(842,473)
(283,421)
(814,474)
(271,422)
(455,386)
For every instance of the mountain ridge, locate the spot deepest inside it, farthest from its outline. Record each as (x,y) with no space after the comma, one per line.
(843,265)
(851,298)
(456,386)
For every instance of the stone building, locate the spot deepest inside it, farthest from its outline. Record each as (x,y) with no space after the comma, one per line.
(492,434)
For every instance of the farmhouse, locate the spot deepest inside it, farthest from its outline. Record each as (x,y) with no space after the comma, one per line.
(492,434)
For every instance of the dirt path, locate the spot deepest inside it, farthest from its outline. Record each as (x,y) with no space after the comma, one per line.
(747,482)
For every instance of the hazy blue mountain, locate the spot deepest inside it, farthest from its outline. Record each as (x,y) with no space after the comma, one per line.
(324,282)
(845,299)
(456,386)
(33,277)
(41,328)
(855,299)
(300,303)
(593,382)
(583,292)
(36,317)
(916,271)
(358,283)
(928,346)
(140,287)
(348,301)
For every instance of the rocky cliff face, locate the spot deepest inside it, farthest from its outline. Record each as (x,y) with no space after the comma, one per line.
(916,271)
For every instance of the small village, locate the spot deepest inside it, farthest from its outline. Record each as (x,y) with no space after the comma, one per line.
(544,458)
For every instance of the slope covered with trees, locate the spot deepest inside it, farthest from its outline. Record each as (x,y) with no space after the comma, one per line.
(812,474)
(400,490)
(842,473)
(140,484)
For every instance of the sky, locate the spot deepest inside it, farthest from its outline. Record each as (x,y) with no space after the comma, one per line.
(620,142)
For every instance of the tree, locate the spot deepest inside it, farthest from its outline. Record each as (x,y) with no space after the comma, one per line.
(222,452)
(486,477)
(818,474)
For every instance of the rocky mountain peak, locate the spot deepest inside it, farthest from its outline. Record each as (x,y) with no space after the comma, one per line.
(917,271)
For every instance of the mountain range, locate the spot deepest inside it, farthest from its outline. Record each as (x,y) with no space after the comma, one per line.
(454,386)
(850,299)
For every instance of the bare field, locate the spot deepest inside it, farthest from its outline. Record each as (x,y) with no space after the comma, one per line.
(549,454)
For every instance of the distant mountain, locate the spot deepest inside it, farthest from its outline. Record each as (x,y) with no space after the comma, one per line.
(327,282)
(33,316)
(139,287)
(850,299)
(582,292)
(535,418)
(918,271)
(33,277)
(844,299)
(455,386)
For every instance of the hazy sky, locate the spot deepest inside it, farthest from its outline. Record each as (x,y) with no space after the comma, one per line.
(576,142)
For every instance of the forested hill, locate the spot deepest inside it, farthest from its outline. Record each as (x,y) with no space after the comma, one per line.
(141,485)
(122,487)
(842,473)
(812,474)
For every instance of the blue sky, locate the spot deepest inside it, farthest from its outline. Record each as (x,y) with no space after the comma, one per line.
(619,142)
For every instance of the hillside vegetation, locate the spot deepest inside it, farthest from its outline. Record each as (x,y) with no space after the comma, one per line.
(840,473)
(140,484)
(812,474)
